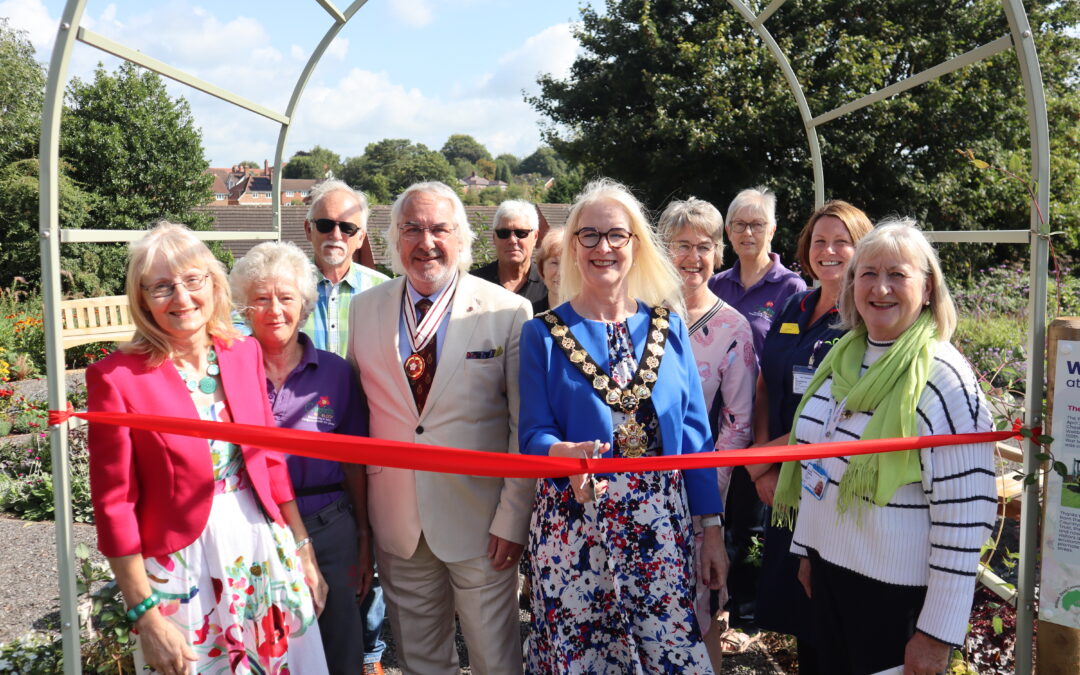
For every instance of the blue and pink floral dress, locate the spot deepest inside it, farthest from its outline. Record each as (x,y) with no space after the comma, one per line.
(613,580)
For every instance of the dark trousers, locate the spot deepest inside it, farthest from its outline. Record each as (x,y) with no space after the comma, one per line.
(782,605)
(863,625)
(746,517)
(333,534)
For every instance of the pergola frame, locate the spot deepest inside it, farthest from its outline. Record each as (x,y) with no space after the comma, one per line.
(1020,39)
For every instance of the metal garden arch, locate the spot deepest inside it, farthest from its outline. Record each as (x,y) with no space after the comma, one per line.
(1019,38)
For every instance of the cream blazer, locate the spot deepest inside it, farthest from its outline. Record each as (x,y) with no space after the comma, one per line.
(473,404)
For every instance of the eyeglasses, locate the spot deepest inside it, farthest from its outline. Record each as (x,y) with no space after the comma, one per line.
(326,226)
(590,238)
(413,232)
(682,248)
(192,283)
(505,233)
(757,226)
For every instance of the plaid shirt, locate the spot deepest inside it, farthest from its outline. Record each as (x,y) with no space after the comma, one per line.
(328,325)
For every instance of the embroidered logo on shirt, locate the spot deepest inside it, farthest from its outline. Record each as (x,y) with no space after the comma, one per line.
(320,413)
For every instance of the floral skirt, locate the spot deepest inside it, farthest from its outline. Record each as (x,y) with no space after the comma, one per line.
(237,593)
(613,581)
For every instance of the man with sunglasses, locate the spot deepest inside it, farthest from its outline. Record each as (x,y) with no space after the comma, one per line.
(336,225)
(514,233)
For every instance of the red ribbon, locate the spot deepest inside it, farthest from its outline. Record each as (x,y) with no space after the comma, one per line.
(379,452)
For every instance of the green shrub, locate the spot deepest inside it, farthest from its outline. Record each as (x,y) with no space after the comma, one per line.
(26,486)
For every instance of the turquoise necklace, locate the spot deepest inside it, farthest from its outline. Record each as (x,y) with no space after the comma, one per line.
(208,384)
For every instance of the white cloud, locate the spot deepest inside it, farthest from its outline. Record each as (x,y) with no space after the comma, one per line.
(412,13)
(551,51)
(365,106)
(33,17)
(339,48)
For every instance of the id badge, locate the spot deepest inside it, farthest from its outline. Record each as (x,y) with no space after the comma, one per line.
(815,480)
(800,379)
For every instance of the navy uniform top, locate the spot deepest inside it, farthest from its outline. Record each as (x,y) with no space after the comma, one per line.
(791,342)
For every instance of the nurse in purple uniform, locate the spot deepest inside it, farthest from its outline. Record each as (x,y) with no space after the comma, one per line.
(757,285)
(313,390)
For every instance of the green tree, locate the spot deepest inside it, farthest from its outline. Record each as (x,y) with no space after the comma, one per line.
(87,267)
(318,163)
(464,146)
(545,162)
(136,149)
(463,168)
(680,97)
(22,90)
(565,187)
(503,172)
(248,164)
(511,161)
(400,163)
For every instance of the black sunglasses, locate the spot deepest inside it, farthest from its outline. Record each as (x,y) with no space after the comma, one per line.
(505,233)
(326,226)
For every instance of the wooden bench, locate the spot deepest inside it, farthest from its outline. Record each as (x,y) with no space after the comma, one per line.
(1009,489)
(103,319)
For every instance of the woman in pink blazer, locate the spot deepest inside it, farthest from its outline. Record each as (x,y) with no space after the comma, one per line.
(204,537)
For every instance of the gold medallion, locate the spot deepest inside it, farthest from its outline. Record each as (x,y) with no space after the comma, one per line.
(612,397)
(631,438)
(660,323)
(559,331)
(600,382)
(550,317)
(567,343)
(652,362)
(628,402)
(414,367)
(648,376)
(578,355)
(588,368)
(641,391)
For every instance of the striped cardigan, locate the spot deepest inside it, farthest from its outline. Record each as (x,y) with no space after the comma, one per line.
(930,533)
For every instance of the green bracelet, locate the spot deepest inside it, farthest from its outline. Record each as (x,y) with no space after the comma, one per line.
(138,610)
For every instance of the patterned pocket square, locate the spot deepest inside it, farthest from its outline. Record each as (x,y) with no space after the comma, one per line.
(487,354)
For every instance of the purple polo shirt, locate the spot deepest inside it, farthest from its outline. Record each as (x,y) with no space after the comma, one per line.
(321,394)
(763,300)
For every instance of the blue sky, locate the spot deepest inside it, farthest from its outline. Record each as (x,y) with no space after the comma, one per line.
(417,69)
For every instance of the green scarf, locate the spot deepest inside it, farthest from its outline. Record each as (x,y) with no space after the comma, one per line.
(890,389)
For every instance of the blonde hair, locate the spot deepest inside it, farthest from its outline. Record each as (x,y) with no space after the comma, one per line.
(274,261)
(183,250)
(652,277)
(900,237)
(550,246)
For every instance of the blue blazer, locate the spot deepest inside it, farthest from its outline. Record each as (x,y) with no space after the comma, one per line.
(559,404)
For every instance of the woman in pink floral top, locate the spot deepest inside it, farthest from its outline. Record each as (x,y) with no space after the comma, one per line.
(723,347)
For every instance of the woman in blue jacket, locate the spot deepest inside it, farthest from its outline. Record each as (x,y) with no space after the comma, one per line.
(610,371)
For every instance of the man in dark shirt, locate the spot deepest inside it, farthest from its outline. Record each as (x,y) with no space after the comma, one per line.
(514,232)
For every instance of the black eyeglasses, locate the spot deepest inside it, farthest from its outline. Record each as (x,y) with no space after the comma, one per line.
(616,238)
(326,226)
(505,233)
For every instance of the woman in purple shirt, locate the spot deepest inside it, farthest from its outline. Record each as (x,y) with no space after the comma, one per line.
(313,390)
(757,285)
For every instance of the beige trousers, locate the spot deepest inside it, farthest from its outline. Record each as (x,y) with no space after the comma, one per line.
(422,595)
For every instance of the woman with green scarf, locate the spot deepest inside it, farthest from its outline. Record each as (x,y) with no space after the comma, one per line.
(890,542)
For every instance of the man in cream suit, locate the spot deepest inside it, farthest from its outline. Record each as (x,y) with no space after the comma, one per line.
(437,354)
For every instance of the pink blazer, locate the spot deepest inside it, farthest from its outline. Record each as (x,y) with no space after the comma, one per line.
(152,491)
